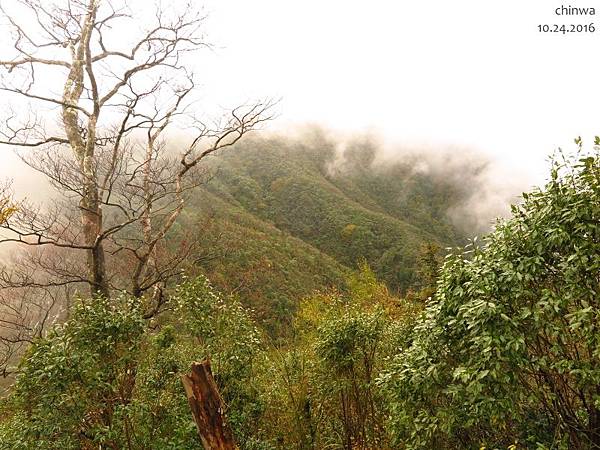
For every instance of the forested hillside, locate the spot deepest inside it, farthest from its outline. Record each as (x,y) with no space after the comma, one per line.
(284,217)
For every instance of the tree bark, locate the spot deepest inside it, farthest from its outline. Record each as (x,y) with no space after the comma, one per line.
(207,408)
(84,149)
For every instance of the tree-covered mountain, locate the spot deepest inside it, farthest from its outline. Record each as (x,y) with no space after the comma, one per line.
(285,217)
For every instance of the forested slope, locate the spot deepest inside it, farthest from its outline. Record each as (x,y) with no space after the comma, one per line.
(284,217)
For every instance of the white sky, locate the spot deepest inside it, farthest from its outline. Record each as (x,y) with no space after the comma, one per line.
(470,73)
(463,72)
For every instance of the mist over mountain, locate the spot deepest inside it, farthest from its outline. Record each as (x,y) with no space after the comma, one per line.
(289,215)
(286,214)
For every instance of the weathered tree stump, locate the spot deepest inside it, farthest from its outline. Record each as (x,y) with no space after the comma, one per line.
(207,408)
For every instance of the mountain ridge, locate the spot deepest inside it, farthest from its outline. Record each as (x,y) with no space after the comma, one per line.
(305,225)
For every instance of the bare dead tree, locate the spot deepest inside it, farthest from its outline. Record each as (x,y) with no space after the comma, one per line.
(207,408)
(97,125)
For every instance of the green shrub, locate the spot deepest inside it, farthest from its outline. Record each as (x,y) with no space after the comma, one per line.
(509,348)
(106,378)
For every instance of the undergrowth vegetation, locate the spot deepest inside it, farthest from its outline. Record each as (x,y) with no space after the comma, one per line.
(497,348)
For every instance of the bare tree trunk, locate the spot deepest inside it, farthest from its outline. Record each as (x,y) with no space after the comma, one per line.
(84,149)
(207,408)
(91,217)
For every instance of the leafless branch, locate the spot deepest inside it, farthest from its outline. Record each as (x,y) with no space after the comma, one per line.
(120,183)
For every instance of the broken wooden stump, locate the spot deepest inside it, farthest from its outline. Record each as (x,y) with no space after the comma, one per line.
(207,408)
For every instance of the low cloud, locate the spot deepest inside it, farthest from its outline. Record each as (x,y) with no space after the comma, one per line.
(484,187)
